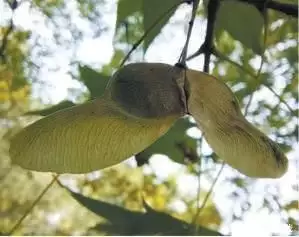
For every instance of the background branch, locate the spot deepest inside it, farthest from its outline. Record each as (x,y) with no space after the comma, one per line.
(13,6)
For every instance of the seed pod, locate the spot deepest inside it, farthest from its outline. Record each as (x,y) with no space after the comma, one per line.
(241,145)
(140,104)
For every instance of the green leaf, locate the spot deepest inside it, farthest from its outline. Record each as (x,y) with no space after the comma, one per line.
(153,10)
(93,80)
(126,8)
(125,222)
(111,212)
(242,21)
(172,144)
(44,112)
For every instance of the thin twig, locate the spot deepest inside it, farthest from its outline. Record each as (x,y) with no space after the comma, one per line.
(256,77)
(148,31)
(211,189)
(263,55)
(17,225)
(195,218)
(225,58)
(182,59)
(249,103)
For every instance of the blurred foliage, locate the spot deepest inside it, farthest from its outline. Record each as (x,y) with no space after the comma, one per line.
(140,200)
(242,21)
(14,88)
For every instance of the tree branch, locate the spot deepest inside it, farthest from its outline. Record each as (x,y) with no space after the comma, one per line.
(212,12)
(207,47)
(286,8)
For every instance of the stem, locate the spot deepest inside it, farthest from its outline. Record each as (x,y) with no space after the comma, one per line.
(17,225)
(183,56)
(211,189)
(212,12)
(195,218)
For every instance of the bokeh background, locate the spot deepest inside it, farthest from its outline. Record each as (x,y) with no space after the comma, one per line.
(56,53)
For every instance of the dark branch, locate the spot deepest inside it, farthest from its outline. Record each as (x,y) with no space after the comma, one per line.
(207,48)
(286,8)
(207,45)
